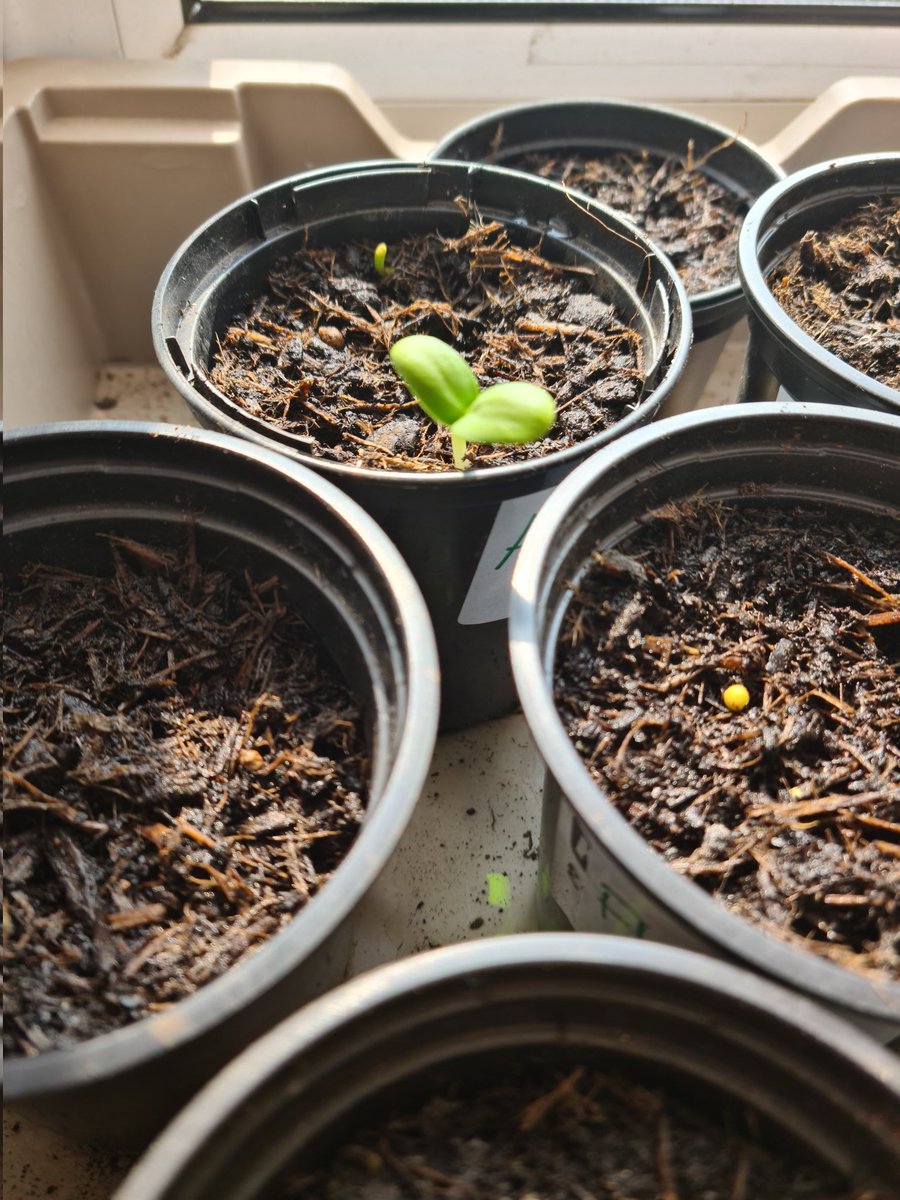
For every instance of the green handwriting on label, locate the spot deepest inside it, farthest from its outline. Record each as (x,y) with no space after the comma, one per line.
(614,907)
(544,881)
(510,550)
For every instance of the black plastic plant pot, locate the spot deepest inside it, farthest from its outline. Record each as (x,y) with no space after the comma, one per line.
(780,352)
(459,532)
(597,872)
(65,486)
(595,126)
(383,1038)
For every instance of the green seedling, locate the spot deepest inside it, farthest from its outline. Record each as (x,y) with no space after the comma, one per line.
(379,259)
(446,388)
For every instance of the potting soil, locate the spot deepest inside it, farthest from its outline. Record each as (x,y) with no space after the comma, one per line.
(841,285)
(310,356)
(183,770)
(786,806)
(534,1131)
(689,214)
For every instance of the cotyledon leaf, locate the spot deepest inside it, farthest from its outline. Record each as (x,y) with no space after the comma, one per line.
(508,414)
(439,378)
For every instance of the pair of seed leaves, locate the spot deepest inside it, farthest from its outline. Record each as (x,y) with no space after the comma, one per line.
(446,388)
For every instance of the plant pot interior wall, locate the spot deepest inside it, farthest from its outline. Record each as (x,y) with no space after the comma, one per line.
(707,1091)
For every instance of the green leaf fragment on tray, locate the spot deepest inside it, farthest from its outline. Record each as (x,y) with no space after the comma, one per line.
(498,889)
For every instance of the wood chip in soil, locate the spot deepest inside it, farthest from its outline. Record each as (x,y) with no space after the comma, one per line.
(183,770)
(787,812)
(841,285)
(541,1131)
(692,217)
(310,354)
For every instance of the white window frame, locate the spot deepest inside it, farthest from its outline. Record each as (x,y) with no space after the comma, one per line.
(507,62)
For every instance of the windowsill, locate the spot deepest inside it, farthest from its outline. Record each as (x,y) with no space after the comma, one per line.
(508,63)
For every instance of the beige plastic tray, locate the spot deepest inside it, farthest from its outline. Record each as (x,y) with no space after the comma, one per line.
(108,166)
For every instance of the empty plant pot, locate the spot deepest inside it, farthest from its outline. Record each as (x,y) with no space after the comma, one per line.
(465,1019)
(558,138)
(180,504)
(684,710)
(459,531)
(794,244)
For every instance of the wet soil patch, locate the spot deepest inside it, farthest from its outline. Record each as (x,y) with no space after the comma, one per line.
(183,769)
(693,218)
(788,810)
(841,285)
(311,355)
(539,1132)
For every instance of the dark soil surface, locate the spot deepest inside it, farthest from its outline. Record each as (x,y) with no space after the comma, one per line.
(842,287)
(690,216)
(574,1134)
(183,769)
(311,356)
(787,811)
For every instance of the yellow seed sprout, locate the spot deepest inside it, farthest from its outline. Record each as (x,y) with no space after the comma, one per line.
(736,697)
(379,260)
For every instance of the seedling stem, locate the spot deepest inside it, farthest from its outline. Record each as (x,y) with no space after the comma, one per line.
(459,446)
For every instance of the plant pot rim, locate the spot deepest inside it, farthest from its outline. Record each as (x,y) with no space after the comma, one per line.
(702,301)
(480,964)
(196,1014)
(728,933)
(772,209)
(484,480)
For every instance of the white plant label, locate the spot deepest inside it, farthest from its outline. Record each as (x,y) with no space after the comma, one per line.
(597,896)
(488,596)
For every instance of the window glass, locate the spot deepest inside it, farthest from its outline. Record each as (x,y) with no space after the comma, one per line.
(793,11)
